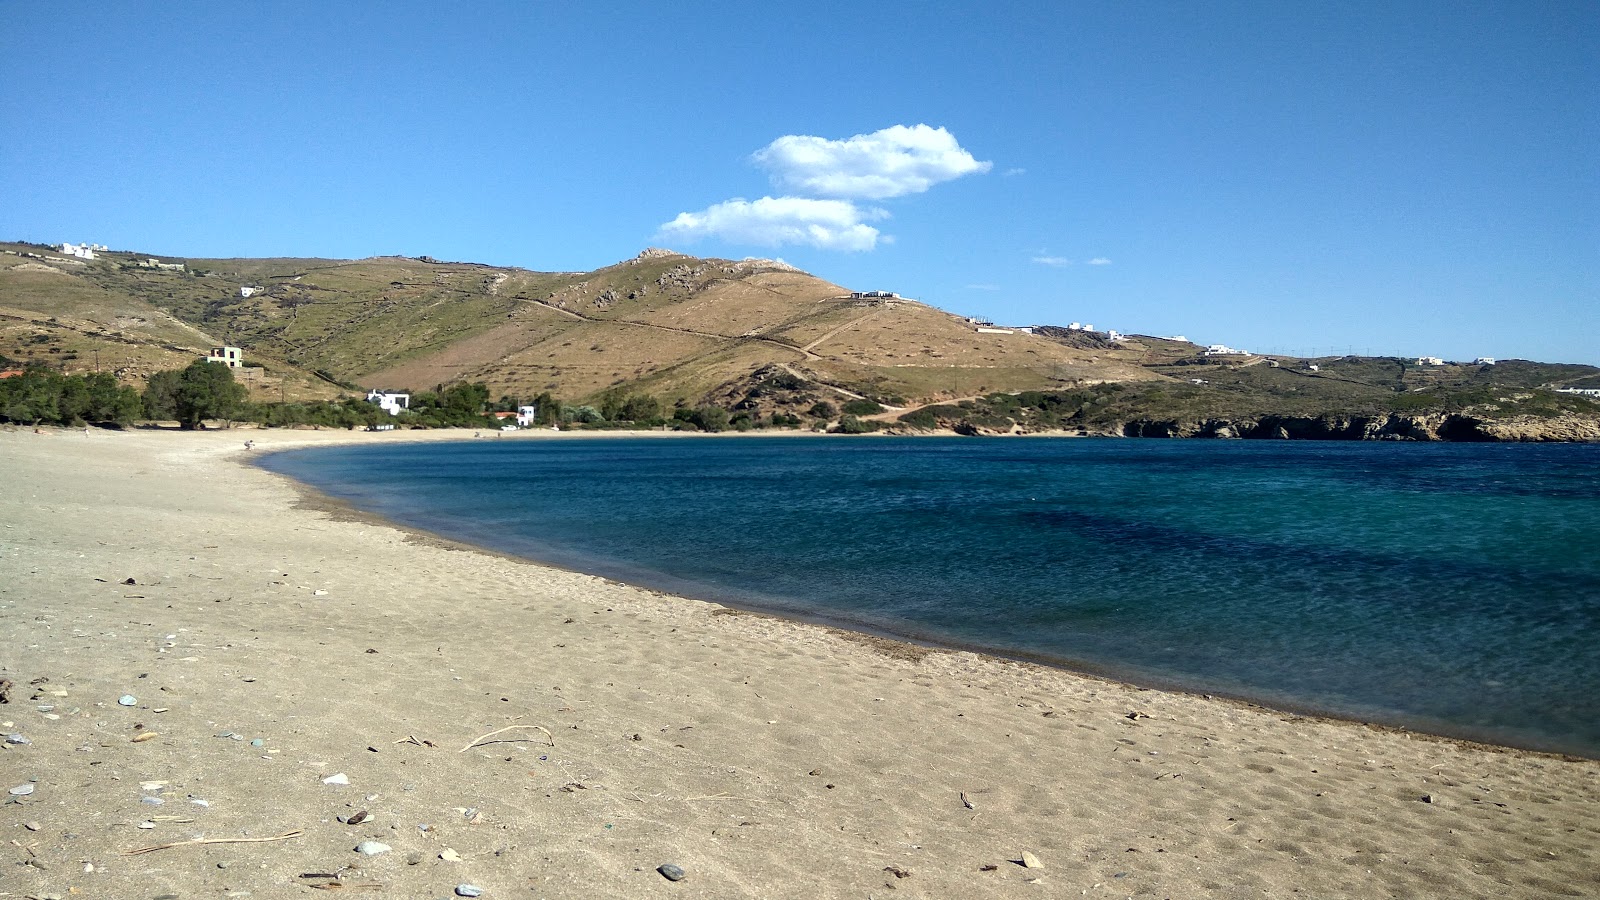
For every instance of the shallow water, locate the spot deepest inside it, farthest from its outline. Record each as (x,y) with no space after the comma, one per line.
(1452,588)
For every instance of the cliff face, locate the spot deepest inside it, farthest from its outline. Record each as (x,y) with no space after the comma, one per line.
(1391,427)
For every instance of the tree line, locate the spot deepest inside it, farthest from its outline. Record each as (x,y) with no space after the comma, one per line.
(206,391)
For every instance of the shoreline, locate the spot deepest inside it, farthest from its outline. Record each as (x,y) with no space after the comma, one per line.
(765,756)
(315,499)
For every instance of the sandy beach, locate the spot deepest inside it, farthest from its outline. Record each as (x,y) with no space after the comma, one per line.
(246,685)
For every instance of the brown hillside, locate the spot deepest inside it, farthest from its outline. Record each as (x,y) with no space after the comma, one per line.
(680,328)
(674,326)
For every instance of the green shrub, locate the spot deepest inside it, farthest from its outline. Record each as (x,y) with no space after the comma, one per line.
(861,408)
(853,425)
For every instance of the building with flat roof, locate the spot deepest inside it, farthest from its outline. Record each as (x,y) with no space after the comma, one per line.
(232,357)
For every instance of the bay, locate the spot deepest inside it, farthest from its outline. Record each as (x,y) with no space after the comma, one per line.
(1450,588)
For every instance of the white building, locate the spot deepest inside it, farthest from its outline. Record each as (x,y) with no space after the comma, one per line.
(1429,361)
(1225,350)
(526,415)
(81,251)
(248,291)
(1113,335)
(391,401)
(1483,361)
(232,357)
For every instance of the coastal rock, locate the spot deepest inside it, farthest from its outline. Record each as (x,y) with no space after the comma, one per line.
(1524,429)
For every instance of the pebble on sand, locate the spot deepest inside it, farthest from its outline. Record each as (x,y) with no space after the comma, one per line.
(372,848)
(21,790)
(127,700)
(338,778)
(468,890)
(1029,861)
(671,872)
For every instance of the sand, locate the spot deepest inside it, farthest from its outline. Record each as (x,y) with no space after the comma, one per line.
(268,644)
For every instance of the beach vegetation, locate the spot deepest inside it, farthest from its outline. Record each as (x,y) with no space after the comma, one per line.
(637,409)
(853,425)
(822,409)
(701,418)
(42,397)
(202,390)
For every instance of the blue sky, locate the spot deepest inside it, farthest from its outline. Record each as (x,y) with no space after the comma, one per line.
(1389,178)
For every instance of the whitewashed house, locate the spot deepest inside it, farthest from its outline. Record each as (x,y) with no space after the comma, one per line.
(1429,361)
(527,415)
(232,357)
(81,251)
(390,401)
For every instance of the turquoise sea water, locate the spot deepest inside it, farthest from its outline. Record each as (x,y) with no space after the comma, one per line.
(1451,588)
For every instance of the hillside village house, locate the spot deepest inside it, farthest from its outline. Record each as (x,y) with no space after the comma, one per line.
(232,357)
(81,251)
(392,401)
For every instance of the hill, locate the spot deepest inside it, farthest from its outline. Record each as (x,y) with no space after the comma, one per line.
(752,335)
(674,326)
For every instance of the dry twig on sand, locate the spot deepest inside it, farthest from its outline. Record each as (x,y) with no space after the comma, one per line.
(722,797)
(262,840)
(491,734)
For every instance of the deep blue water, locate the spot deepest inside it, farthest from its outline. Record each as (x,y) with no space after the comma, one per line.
(1452,588)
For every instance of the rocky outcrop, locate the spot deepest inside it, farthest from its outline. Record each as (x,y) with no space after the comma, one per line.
(1382,427)
(1533,429)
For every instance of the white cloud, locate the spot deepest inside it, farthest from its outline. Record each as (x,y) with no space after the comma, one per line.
(775,221)
(1099,261)
(1057,261)
(1011,173)
(892,162)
